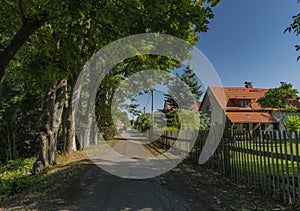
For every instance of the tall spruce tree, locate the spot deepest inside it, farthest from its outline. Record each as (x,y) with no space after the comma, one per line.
(176,94)
(176,97)
(190,79)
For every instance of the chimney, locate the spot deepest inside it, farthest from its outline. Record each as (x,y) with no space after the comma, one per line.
(248,84)
(282,83)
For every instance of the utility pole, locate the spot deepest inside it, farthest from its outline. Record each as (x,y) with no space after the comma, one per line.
(152,109)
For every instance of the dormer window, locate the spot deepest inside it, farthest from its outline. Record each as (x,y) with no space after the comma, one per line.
(244,103)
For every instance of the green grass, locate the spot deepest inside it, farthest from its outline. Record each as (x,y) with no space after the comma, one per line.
(170,128)
(264,164)
(288,148)
(16,176)
(19,190)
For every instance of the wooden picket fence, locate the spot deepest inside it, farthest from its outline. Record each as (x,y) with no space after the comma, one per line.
(269,160)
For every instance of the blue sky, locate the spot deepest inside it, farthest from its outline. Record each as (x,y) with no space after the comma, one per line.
(245,42)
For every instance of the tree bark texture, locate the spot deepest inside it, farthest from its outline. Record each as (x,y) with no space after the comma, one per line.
(68,126)
(51,118)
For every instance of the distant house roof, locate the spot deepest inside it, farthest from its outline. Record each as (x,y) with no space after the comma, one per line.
(250,117)
(170,106)
(228,97)
(197,106)
(240,103)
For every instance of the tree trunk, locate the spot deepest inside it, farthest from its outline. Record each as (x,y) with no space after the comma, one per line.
(71,105)
(95,133)
(9,143)
(60,95)
(49,124)
(45,127)
(90,111)
(68,126)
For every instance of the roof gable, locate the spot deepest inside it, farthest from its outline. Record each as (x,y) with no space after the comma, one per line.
(233,94)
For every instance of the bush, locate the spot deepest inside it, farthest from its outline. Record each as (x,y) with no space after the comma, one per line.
(143,122)
(108,131)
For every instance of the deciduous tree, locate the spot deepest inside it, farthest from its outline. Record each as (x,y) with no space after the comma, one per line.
(278,99)
(293,123)
(295,27)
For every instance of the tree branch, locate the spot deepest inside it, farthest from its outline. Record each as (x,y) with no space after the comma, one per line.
(29,26)
(12,6)
(20,4)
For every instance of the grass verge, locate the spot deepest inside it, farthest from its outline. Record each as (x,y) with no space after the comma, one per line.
(21,190)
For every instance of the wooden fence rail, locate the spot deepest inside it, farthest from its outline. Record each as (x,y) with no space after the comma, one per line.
(269,160)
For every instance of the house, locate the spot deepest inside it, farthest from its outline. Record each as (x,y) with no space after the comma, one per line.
(170,107)
(242,110)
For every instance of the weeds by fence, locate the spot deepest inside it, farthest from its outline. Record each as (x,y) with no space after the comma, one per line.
(269,160)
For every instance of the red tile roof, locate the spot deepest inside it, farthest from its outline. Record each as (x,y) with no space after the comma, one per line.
(170,106)
(228,97)
(197,106)
(250,117)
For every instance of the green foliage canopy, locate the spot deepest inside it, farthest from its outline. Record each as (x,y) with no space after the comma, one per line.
(293,123)
(295,27)
(278,97)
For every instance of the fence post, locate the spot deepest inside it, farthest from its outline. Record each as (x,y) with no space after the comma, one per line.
(226,153)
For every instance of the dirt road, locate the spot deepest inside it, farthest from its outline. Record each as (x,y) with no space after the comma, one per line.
(82,185)
(102,191)
(99,190)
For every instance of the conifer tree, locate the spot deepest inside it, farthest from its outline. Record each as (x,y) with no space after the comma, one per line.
(177,98)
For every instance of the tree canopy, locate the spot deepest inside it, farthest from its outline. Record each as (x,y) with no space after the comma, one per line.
(295,27)
(293,124)
(44,45)
(21,20)
(188,99)
(278,97)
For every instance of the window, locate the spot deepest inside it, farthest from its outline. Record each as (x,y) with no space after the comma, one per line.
(244,103)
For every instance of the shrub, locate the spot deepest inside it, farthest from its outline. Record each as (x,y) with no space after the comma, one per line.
(108,131)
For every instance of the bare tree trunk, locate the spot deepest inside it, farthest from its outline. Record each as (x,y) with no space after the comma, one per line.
(49,124)
(71,105)
(90,111)
(95,133)
(87,132)
(45,128)
(60,95)
(68,126)
(9,142)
